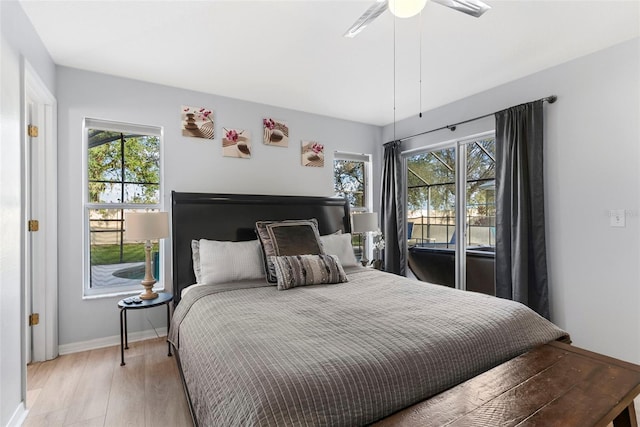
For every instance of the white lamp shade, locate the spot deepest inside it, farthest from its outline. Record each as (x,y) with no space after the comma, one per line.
(364,222)
(406,8)
(146,225)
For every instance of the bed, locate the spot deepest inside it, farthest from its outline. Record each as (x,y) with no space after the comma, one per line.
(350,353)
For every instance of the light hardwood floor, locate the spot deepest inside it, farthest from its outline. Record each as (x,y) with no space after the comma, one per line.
(92,389)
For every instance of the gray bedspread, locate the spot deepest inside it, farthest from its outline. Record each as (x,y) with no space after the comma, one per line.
(339,355)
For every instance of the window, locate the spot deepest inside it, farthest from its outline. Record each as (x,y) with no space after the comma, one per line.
(481,193)
(351,175)
(431,197)
(123,174)
(431,194)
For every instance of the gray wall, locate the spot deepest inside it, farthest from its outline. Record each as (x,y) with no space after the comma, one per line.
(592,165)
(18,41)
(190,164)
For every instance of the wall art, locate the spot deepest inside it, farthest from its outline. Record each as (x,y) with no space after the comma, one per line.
(236,143)
(312,154)
(275,133)
(197,122)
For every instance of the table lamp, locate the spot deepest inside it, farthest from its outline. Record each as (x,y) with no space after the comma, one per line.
(147,226)
(362,223)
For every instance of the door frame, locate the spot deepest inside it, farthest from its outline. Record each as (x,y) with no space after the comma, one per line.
(40,254)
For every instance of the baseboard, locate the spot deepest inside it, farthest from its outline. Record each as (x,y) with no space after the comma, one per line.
(18,417)
(110,341)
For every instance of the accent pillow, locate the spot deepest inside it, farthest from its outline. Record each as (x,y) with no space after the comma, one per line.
(340,245)
(195,254)
(303,270)
(293,237)
(222,262)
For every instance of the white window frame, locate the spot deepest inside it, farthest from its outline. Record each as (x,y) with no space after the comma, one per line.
(107,125)
(368,192)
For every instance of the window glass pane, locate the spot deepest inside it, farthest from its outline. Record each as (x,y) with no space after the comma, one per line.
(349,181)
(434,167)
(109,192)
(481,159)
(142,159)
(431,198)
(104,167)
(141,193)
(114,261)
(105,192)
(481,205)
(123,168)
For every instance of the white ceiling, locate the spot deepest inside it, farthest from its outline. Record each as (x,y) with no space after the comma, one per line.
(292,54)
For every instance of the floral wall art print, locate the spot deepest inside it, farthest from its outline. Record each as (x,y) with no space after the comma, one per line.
(275,133)
(236,143)
(312,154)
(197,122)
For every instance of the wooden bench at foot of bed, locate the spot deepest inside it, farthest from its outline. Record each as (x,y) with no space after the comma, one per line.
(552,385)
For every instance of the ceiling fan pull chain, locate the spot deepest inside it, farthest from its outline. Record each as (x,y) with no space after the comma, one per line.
(420,94)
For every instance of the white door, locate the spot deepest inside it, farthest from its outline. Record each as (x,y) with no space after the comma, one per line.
(450,198)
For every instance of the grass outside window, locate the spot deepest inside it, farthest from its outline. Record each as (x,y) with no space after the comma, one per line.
(111,254)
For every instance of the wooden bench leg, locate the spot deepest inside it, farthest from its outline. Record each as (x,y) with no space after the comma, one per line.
(627,417)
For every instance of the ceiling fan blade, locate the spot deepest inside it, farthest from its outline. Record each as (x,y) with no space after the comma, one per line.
(470,7)
(366,18)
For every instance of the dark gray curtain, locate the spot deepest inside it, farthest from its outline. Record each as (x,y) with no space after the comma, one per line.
(521,259)
(392,211)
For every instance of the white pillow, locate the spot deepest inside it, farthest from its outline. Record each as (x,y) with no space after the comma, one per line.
(195,253)
(340,245)
(222,262)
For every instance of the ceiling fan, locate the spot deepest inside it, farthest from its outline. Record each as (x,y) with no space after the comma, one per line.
(408,8)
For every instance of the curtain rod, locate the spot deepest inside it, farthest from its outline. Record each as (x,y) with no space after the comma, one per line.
(550,99)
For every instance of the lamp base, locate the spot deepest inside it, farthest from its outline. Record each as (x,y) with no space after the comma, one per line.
(148,290)
(148,281)
(149,295)
(363,244)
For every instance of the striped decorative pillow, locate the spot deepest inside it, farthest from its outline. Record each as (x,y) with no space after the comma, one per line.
(302,270)
(291,237)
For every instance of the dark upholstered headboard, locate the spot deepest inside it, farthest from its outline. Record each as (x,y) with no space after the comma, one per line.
(232,217)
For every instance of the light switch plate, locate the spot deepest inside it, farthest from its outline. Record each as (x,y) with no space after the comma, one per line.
(617,217)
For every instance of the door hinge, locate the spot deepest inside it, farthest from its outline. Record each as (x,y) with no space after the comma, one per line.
(34,319)
(32,131)
(33,225)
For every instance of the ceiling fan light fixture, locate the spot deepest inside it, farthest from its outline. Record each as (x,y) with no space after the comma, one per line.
(406,8)
(409,8)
